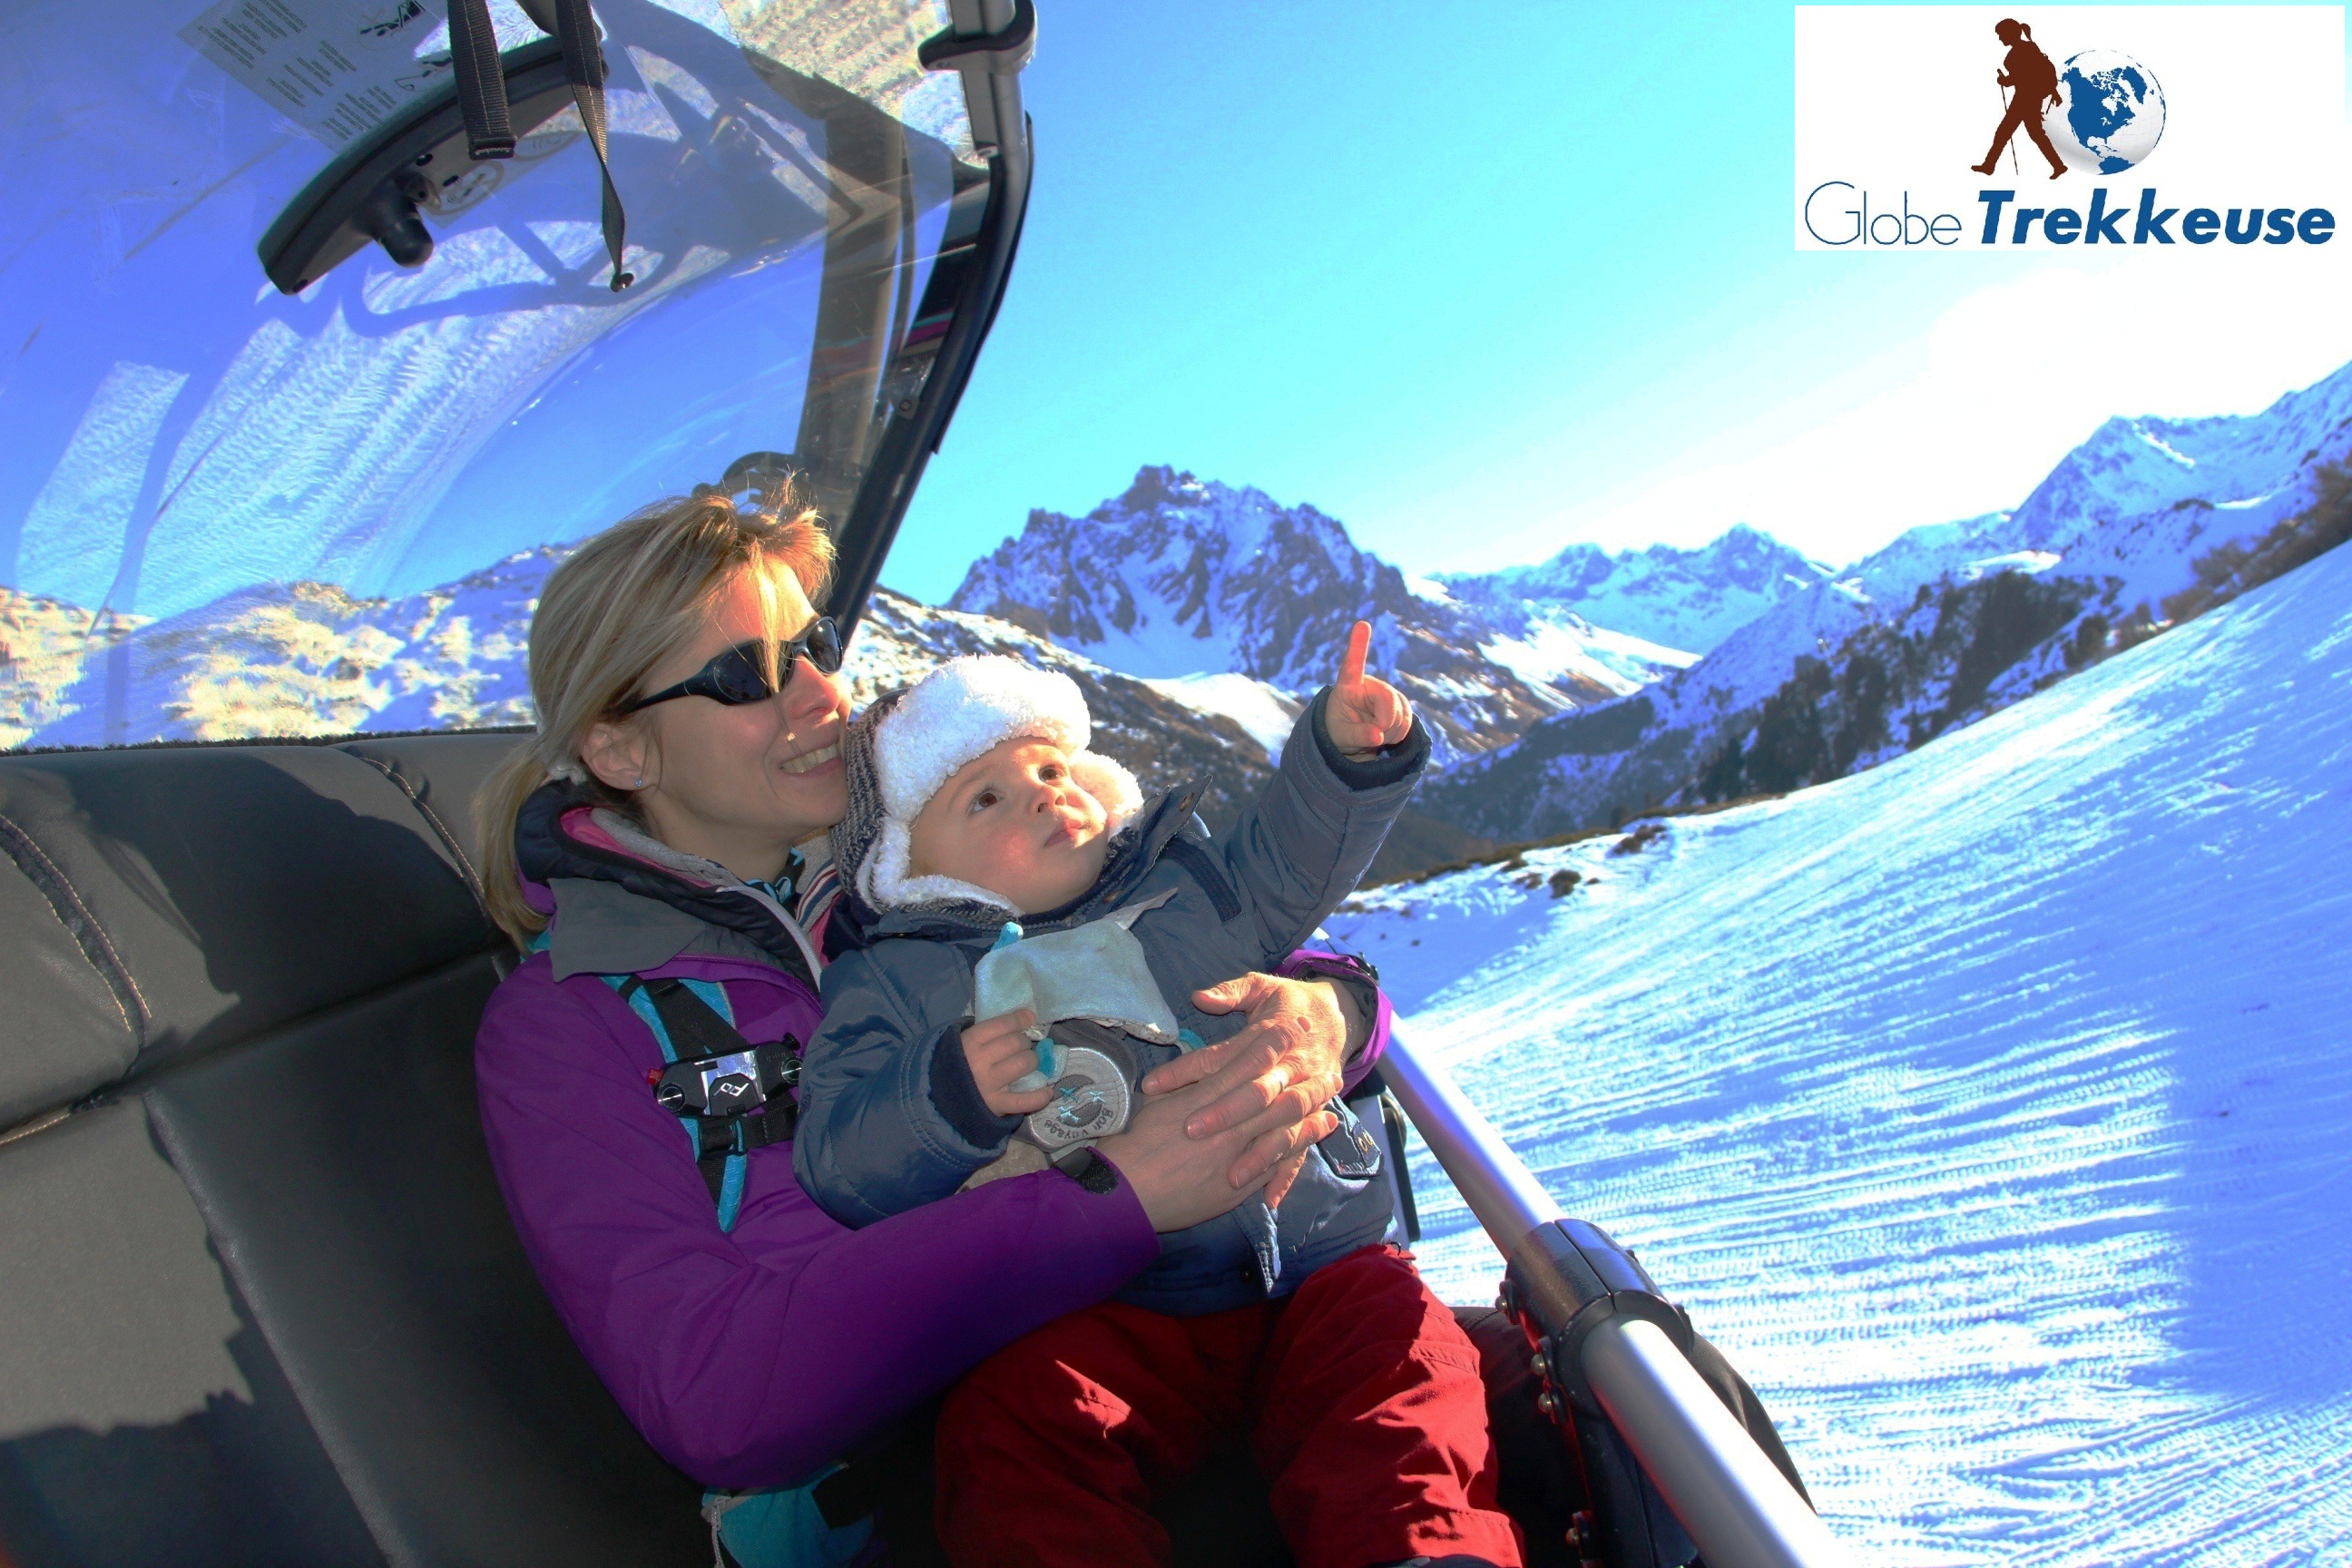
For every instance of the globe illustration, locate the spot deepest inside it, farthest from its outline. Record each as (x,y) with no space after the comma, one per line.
(2110,115)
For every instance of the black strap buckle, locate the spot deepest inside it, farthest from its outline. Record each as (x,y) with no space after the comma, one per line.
(730,1084)
(733,1094)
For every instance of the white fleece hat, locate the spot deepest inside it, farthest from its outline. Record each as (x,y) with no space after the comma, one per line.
(964,709)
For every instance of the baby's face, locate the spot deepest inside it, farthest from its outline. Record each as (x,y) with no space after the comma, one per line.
(1012,821)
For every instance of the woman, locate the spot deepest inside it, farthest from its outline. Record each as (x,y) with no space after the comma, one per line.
(666,823)
(2032,83)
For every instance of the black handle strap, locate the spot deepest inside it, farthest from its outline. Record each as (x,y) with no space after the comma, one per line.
(481,80)
(583,67)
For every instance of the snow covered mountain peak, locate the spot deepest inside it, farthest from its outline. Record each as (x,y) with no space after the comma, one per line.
(2131,468)
(1685,599)
(1181,577)
(1159,486)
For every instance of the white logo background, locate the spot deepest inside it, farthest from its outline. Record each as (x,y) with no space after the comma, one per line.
(1898,102)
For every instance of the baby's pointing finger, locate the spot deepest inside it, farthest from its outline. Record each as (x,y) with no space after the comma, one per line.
(1351,665)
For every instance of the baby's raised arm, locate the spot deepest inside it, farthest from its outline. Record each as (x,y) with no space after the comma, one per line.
(1304,842)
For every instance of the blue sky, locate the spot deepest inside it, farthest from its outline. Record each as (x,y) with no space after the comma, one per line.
(1481,279)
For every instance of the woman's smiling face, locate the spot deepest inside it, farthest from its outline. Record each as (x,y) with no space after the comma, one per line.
(739,784)
(1012,821)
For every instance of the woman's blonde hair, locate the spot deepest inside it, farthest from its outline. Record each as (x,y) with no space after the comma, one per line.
(621,603)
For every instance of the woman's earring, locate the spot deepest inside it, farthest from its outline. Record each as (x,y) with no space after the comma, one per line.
(640,784)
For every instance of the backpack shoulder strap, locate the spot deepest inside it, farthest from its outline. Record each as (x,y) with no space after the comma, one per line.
(730,1096)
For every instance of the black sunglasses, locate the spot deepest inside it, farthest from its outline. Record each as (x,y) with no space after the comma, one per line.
(734,676)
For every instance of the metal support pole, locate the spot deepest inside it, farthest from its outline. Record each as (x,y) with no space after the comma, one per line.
(1498,1187)
(1738,1509)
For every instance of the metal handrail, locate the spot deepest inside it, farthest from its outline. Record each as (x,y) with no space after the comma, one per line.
(1737,1505)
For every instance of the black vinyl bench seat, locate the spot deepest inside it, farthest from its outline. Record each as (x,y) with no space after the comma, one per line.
(260,1300)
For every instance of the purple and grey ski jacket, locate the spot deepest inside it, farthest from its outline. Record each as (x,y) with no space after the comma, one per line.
(752,1357)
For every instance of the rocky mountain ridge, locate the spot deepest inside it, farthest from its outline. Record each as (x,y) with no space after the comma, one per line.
(1684,600)
(1229,605)
(1181,577)
(309,658)
(1197,615)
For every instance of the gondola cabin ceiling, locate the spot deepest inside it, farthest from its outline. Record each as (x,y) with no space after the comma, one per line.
(176,429)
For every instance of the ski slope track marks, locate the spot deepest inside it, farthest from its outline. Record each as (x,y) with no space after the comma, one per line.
(1990,1108)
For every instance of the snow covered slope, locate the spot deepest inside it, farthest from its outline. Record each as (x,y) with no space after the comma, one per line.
(44,642)
(308,658)
(1687,599)
(1267,712)
(1992,1108)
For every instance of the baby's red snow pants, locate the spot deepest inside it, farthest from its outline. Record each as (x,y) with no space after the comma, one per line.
(1359,1394)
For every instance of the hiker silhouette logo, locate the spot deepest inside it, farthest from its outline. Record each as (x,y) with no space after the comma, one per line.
(2100,112)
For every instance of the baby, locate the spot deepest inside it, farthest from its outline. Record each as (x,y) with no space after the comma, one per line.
(1001,870)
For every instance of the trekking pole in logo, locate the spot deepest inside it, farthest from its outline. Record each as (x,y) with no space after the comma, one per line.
(2031,81)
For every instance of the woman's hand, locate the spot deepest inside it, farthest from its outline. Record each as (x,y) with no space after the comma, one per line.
(1279,1070)
(1182,1180)
(998,1050)
(1365,713)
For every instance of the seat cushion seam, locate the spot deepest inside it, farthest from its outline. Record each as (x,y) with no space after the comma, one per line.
(144,1077)
(333,1436)
(96,947)
(40,1123)
(465,864)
